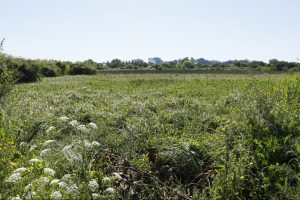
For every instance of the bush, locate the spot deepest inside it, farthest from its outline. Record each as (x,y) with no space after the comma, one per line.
(27,73)
(6,81)
(82,70)
(131,66)
(63,67)
(50,71)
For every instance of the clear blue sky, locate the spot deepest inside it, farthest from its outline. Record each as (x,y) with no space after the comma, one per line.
(127,29)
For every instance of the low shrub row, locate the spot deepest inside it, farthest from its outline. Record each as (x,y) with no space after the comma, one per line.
(26,70)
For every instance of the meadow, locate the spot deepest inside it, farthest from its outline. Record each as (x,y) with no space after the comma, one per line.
(158,136)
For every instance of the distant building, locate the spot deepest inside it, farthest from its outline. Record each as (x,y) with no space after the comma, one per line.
(155,61)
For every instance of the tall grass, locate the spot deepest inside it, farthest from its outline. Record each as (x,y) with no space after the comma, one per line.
(154,137)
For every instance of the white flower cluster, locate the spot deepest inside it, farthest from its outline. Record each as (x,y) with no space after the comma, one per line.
(105,179)
(48,142)
(93,144)
(87,144)
(34,160)
(32,148)
(83,128)
(115,176)
(95,196)
(50,129)
(54,181)
(62,184)
(93,185)
(15,198)
(49,171)
(43,180)
(110,190)
(16,175)
(74,123)
(14,178)
(23,144)
(66,178)
(20,170)
(28,187)
(30,195)
(65,183)
(56,195)
(71,155)
(92,125)
(44,153)
(72,189)
(64,119)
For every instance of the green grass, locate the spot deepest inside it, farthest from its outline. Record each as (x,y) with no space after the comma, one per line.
(168,136)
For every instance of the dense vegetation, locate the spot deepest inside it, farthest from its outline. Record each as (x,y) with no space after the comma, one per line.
(202,64)
(27,70)
(152,137)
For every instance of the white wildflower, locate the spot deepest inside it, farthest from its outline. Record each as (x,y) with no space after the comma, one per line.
(117,175)
(23,144)
(82,128)
(34,160)
(56,195)
(20,170)
(28,187)
(14,178)
(110,190)
(64,118)
(49,171)
(33,147)
(72,189)
(95,196)
(95,144)
(92,125)
(71,155)
(105,179)
(15,198)
(66,148)
(62,184)
(45,153)
(93,185)
(54,181)
(48,142)
(43,180)
(87,144)
(30,195)
(50,129)
(74,123)
(66,177)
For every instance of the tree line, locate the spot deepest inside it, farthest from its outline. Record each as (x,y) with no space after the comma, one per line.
(31,70)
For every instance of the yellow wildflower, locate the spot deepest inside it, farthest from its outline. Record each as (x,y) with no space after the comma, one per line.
(13,164)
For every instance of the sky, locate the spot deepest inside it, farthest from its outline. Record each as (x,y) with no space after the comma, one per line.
(102,30)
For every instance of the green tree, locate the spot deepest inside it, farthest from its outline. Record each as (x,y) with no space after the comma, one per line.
(278,65)
(187,64)
(116,63)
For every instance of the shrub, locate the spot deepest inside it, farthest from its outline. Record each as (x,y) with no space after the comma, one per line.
(82,70)
(63,67)
(131,66)
(51,71)
(6,80)
(26,73)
